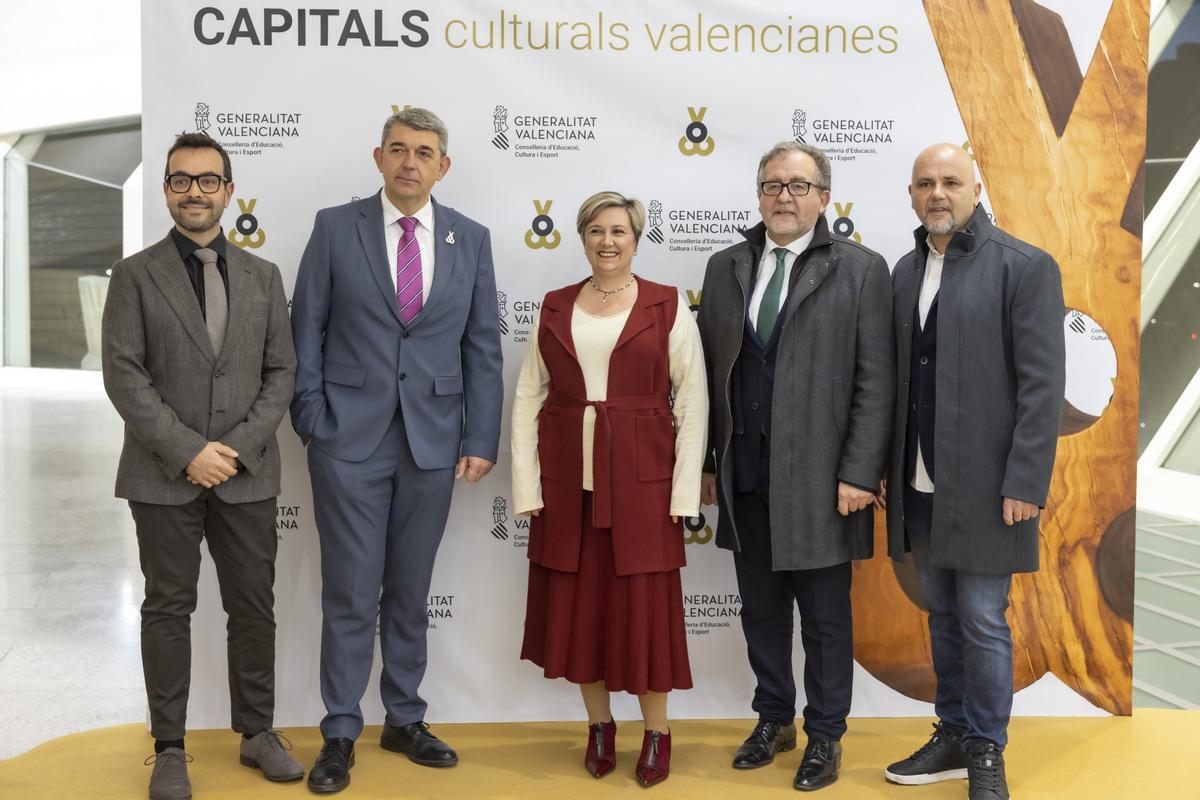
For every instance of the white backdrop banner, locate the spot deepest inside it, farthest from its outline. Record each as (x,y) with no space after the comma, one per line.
(546,104)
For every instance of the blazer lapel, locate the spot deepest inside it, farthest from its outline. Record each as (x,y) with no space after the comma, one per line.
(556,318)
(241,289)
(168,272)
(374,244)
(638,320)
(445,255)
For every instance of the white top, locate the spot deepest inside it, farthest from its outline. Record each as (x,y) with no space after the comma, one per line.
(929,289)
(766,268)
(424,232)
(595,338)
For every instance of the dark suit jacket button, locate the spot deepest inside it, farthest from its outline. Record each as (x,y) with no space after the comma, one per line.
(404,335)
(754,406)
(914,406)
(924,360)
(403,375)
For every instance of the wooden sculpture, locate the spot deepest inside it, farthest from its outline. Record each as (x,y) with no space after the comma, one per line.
(1061,157)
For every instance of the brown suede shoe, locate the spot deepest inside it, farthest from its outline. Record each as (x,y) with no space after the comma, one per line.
(169,780)
(266,751)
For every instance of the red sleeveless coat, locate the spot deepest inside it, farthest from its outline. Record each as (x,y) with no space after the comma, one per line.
(633,452)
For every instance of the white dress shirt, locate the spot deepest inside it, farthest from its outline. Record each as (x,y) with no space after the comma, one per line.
(424,232)
(766,268)
(929,289)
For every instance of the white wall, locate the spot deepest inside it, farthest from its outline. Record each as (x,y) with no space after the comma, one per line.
(68,62)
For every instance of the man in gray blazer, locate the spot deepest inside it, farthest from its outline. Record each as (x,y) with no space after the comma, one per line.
(796,323)
(397,395)
(981,368)
(198,361)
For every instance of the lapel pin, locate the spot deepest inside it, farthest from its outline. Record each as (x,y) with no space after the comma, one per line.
(450,237)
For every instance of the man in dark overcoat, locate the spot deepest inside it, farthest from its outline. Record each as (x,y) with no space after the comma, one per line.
(796,323)
(980,366)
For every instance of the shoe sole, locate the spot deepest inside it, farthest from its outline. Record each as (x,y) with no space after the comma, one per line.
(327,789)
(815,787)
(252,764)
(927,778)
(392,747)
(333,787)
(787,747)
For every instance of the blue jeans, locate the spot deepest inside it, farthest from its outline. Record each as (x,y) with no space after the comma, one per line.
(970,638)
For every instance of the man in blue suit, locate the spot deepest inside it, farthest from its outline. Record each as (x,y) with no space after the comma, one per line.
(397,395)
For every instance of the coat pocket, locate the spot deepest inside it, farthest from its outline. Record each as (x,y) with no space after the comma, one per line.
(448,384)
(344,374)
(655,447)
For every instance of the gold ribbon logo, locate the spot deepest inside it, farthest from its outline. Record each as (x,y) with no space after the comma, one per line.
(246,232)
(541,234)
(696,140)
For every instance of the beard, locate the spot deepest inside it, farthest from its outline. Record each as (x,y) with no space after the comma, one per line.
(941,228)
(196,224)
(786,227)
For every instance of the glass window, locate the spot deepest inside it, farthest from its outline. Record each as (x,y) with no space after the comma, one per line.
(67,194)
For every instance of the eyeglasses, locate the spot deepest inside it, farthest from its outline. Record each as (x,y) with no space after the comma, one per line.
(181,182)
(795,188)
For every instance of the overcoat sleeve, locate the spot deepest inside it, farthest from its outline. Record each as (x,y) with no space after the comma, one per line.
(1039,365)
(868,436)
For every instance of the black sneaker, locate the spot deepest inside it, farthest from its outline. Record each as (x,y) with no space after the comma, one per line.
(986,772)
(942,758)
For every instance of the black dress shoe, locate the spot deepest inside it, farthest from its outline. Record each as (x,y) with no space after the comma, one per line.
(331,773)
(767,739)
(819,767)
(421,746)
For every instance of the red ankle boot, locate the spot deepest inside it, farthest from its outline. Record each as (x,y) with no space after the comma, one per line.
(655,763)
(601,757)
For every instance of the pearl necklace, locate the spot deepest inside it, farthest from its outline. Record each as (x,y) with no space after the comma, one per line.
(607,292)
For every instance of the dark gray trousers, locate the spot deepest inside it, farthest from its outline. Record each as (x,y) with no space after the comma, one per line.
(242,541)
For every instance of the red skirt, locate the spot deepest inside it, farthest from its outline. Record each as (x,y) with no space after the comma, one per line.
(594,625)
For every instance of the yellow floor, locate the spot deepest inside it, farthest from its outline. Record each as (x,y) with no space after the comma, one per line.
(1151,756)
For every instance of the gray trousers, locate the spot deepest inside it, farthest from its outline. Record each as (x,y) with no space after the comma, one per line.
(380,522)
(242,542)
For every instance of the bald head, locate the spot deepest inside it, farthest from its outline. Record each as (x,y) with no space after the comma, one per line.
(944,191)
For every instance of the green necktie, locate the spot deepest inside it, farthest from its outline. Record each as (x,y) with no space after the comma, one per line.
(768,312)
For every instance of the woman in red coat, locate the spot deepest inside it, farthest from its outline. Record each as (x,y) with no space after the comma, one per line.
(608,428)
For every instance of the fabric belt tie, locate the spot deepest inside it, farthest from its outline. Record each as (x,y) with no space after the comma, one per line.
(602,442)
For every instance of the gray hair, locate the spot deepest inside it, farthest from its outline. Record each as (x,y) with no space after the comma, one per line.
(419,119)
(824,176)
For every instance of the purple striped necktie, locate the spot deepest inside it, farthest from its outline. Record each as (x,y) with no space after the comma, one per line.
(409,281)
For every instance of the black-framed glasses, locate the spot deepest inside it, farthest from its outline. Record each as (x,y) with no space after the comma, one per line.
(181,182)
(795,188)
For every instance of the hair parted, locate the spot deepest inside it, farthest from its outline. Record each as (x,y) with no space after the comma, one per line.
(602,200)
(419,119)
(824,176)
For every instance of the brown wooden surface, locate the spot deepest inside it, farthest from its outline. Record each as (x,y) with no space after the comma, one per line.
(1067,195)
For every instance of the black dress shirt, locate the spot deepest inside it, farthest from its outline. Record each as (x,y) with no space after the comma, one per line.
(187,251)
